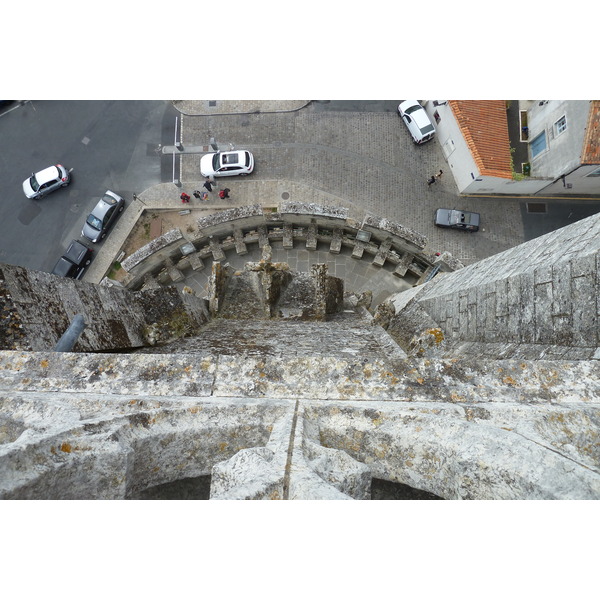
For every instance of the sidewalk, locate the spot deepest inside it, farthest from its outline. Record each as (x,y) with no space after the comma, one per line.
(166,197)
(229,107)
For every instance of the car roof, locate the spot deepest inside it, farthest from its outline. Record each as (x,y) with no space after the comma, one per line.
(234,157)
(76,251)
(421,118)
(103,205)
(47,174)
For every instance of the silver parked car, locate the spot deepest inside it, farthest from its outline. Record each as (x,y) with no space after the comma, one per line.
(45,181)
(419,125)
(101,219)
(226,164)
(457,219)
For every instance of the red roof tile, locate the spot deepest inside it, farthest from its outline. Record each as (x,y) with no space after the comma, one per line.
(590,154)
(484,127)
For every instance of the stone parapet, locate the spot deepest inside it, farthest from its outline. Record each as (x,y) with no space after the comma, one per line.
(110,426)
(536,300)
(40,306)
(238,227)
(154,249)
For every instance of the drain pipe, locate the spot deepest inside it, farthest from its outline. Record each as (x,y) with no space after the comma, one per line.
(563,177)
(71,335)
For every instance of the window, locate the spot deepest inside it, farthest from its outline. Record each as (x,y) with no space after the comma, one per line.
(538,144)
(560,125)
(595,173)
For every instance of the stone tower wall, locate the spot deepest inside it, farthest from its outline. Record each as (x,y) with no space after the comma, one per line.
(539,299)
(37,309)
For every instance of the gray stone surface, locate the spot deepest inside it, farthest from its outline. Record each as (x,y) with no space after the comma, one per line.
(537,300)
(39,308)
(457,429)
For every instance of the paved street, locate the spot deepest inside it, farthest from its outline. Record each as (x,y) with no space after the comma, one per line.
(108,144)
(364,160)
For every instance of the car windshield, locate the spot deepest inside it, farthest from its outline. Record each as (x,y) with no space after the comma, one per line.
(33,182)
(460,218)
(94,222)
(215,163)
(412,109)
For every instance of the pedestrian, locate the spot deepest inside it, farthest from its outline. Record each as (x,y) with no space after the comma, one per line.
(197,194)
(431,180)
(184,197)
(208,184)
(439,175)
(224,193)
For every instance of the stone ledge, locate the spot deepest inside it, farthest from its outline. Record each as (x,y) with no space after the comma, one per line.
(151,248)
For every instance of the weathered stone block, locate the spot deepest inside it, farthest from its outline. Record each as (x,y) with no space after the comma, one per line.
(382,253)
(288,237)
(405,260)
(216,250)
(240,246)
(311,238)
(336,242)
(358,250)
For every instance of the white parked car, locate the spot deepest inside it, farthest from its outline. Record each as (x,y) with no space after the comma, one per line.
(419,125)
(226,164)
(46,181)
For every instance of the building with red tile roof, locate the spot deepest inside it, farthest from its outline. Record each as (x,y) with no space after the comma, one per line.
(558,143)
(485,130)
(591,142)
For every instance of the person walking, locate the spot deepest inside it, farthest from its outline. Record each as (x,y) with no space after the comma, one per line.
(208,184)
(224,193)
(439,175)
(431,180)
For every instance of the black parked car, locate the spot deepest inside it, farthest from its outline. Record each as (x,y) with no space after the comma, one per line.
(74,261)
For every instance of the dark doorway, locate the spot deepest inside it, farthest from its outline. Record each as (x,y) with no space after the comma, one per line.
(191,488)
(390,490)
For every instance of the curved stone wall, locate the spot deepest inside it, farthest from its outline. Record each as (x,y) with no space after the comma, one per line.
(375,238)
